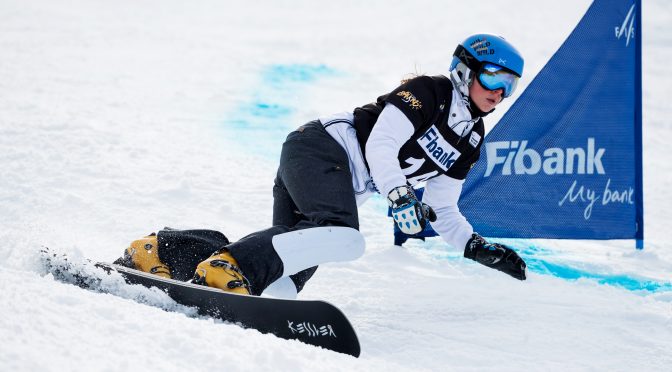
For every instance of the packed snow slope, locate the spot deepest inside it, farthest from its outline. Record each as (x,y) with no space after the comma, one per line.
(120,117)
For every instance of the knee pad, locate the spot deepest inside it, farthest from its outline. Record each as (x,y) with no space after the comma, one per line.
(305,248)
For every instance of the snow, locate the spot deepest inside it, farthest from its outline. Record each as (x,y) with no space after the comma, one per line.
(119,118)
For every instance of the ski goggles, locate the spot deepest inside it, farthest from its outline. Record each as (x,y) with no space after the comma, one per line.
(493,77)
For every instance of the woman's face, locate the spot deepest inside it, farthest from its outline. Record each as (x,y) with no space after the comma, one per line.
(485,100)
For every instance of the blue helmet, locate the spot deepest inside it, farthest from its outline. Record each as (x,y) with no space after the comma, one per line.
(495,62)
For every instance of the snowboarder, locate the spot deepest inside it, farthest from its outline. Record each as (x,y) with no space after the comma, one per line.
(429,129)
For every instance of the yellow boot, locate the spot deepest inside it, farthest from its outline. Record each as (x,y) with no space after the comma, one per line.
(143,254)
(221,271)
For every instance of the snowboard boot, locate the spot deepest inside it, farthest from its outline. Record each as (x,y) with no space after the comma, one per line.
(221,271)
(143,255)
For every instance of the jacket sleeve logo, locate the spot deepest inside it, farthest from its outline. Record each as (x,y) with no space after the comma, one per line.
(409,98)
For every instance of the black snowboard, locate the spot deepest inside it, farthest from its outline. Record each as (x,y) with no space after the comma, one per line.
(313,322)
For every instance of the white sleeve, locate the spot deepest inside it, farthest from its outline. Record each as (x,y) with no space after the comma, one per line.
(391,131)
(442,194)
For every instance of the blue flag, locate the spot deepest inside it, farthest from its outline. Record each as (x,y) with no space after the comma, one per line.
(566,159)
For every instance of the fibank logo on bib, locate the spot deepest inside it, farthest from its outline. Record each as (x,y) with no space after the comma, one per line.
(438,149)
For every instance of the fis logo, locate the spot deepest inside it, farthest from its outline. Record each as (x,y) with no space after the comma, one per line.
(513,157)
(438,149)
(627,29)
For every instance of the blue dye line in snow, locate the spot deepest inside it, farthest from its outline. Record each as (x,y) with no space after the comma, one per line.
(535,263)
(263,122)
(570,273)
(539,261)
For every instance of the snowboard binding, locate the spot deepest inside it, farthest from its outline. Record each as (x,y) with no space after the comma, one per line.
(221,271)
(143,255)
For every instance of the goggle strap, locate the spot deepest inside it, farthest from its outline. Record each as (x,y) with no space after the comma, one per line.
(465,56)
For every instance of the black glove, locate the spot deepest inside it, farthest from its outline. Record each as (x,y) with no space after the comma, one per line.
(410,214)
(495,255)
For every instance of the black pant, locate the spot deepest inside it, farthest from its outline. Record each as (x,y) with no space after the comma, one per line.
(313,187)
